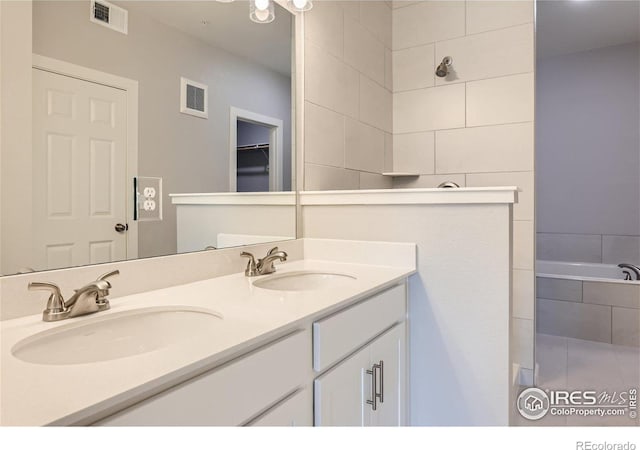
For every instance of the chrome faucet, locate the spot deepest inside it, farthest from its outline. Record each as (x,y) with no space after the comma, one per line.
(264,265)
(633,268)
(88,299)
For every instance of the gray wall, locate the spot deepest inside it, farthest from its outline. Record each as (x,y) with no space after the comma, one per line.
(252,134)
(588,155)
(191,154)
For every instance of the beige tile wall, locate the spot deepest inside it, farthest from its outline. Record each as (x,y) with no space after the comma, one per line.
(373,105)
(475,126)
(348,95)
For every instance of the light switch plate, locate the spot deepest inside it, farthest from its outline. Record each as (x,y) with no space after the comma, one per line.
(148,198)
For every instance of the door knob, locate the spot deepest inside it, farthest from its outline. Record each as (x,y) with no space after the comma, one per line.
(121,228)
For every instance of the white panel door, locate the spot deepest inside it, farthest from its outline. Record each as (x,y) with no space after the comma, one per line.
(79,171)
(341,394)
(390,350)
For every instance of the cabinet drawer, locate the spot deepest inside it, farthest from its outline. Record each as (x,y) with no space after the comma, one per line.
(295,411)
(338,335)
(229,395)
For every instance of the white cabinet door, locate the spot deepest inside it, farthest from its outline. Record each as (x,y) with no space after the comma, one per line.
(295,411)
(342,394)
(389,352)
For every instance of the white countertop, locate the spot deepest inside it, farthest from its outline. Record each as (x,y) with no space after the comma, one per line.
(418,196)
(34,394)
(415,196)
(286,198)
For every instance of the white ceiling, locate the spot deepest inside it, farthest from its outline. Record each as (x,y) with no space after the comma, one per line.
(569,26)
(228,27)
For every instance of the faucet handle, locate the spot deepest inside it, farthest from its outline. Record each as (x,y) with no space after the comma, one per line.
(251,270)
(103,287)
(272,251)
(108,274)
(55,304)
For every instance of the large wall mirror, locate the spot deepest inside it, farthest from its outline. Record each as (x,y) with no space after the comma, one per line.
(156,127)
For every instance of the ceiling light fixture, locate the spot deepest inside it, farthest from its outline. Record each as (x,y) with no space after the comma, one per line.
(261,11)
(300,5)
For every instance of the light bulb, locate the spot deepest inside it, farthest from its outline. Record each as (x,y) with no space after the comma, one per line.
(300,5)
(262,15)
(261,11)
(262,5)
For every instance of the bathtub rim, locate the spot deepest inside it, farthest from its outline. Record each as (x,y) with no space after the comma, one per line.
(548,274)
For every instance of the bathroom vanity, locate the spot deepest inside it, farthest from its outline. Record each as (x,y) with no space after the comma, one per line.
(271,385)
(319,342)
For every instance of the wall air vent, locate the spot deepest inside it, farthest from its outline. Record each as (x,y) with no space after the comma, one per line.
(193,98)
(109,15)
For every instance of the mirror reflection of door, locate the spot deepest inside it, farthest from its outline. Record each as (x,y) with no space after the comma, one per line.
(256,143)
(253,152)
(79,171)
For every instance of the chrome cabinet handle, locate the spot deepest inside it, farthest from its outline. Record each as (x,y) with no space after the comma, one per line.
(375,395)
(374,381)
(381,395)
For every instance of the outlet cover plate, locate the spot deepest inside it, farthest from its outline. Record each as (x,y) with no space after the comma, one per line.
(153,187)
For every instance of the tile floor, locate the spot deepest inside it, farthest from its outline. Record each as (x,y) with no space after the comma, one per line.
(573,364)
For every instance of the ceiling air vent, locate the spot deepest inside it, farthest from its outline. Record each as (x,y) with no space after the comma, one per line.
(193,98)
(109,15)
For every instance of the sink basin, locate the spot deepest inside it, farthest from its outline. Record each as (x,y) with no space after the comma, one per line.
(117,335)
(304,281)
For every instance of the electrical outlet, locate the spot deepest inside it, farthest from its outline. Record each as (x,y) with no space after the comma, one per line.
(149,198)
(149,205)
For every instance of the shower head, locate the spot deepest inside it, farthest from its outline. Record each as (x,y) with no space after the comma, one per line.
(443,68)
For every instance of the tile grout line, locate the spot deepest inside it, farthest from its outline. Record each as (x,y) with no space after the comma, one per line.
(601,248)
(474,80)
(611,326)
(566,374)
(465,17)
(435,158)
(460,37)
(434,130)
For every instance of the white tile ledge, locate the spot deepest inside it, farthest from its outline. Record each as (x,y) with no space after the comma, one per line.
(235,198)
(400,174)
(502,194)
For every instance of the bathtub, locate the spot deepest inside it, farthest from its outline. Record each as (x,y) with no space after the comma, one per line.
(587,301)
(610,273)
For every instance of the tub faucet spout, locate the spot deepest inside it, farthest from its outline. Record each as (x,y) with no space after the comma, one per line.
(631,267)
